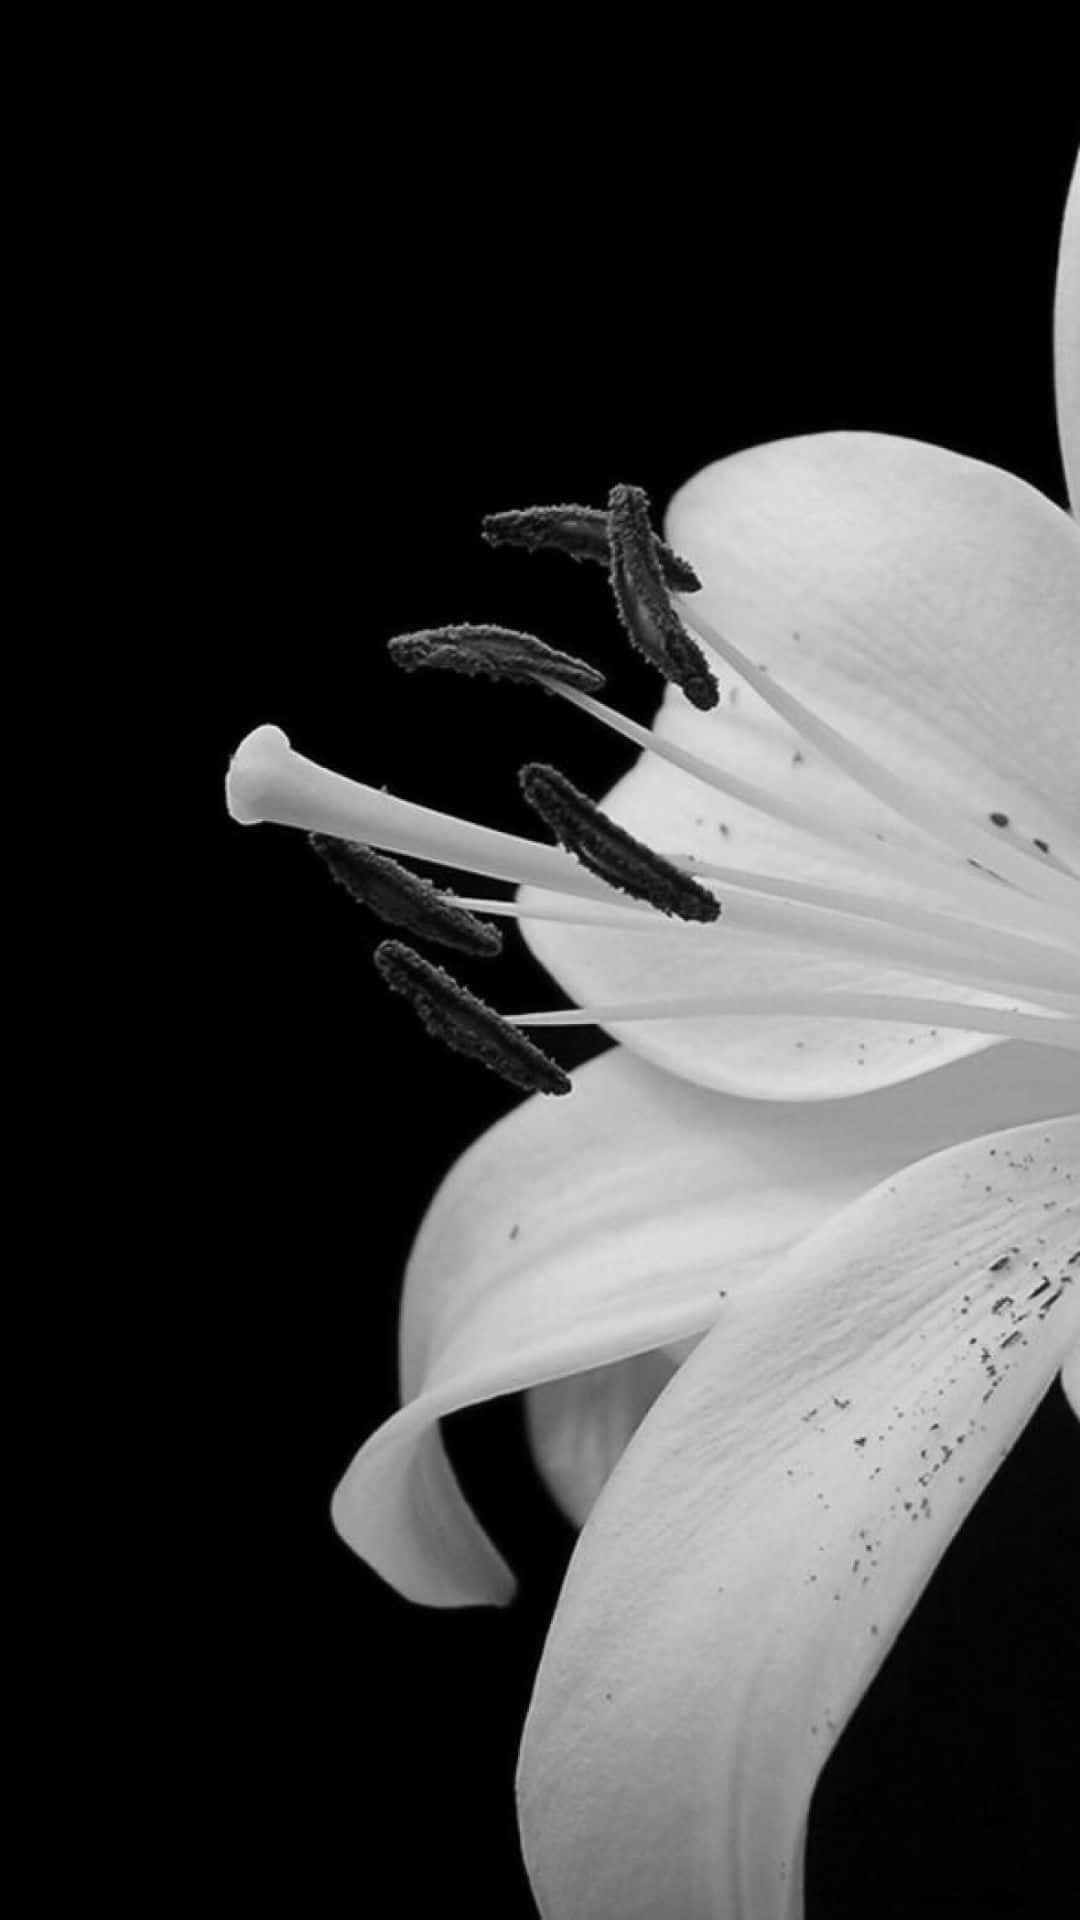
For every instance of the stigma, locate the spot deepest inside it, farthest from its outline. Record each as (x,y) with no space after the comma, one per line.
(980,928)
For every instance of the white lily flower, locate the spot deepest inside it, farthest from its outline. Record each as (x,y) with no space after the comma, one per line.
(808,1238)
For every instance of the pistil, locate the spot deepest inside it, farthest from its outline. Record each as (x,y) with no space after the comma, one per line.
(269,781)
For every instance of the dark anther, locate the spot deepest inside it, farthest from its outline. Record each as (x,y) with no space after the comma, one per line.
(497,651)
(403,898)
(581,532)
(463,1022)
(609,851)
(644,607)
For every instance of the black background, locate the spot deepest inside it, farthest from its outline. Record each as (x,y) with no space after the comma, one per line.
(399,304)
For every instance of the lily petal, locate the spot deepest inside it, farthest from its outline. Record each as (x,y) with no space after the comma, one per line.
(1067,341)
(887,583)
(579,1427)
(772,1524)
(580,1233)
(924,602)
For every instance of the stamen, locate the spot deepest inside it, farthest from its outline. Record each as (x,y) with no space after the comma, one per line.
(466,1024)
(970,841)
(403,898)
(499,652)
(903,1010)
(788,922)
(982,900)
(579,532)
(609,851)
(571,913)
(582,533)
(644,607)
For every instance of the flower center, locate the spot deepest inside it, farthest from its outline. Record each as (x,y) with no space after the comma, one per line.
(995,931)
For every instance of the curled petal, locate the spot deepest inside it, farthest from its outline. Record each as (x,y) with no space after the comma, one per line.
(1067,341)
(623,1225)
(772,1524)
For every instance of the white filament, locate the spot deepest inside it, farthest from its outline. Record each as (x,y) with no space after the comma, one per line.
(907,1009)
(972,842)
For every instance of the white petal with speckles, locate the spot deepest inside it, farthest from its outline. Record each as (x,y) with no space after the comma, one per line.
(772,1523)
